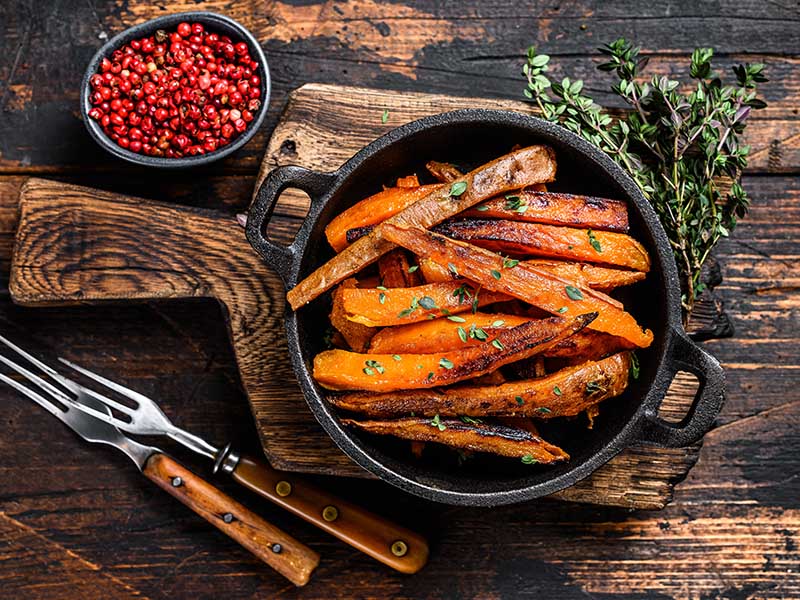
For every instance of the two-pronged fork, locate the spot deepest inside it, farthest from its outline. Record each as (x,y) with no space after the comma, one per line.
(385,541)
(278,549)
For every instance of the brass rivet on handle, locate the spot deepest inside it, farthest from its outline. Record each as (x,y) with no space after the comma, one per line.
(283,488)
(399,548)
(330,513)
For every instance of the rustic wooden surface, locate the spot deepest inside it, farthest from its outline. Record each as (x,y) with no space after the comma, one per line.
(112,247)
(79,522)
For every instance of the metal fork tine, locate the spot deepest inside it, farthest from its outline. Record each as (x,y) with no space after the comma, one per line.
(54,391)
(120,389)
(67,383)
(29,393)
(36,380)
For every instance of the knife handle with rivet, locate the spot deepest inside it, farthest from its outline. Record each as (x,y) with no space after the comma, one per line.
(279,550)
(387,542)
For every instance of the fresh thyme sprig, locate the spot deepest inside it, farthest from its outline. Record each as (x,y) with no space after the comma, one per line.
(683,149)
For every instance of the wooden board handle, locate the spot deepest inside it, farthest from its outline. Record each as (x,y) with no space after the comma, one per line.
(391,544)
(287,556)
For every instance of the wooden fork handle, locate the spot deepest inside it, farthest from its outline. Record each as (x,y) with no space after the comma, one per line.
(290,558)
(391,544)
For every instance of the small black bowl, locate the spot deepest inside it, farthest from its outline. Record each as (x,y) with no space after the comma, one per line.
(212,22)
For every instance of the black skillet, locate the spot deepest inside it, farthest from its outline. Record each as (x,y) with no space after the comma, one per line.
(470,138)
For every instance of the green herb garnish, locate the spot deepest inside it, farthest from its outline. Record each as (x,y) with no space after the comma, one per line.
(593,241)
(510,263)
(682,144)
(458,188)
(374,364)
(634,370)
(544,410)
(445,363)
(385,115)
(413,268)
(397,357)
(562,310)
(519,400)
(574,293)
(456,319)
(437,422)
(462,334)
(498,344)
(470,420)
(556,390)
(427,303)
(529,460)
(495,273)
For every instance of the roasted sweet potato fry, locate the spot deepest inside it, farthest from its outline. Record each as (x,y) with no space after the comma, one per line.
(584,274)
(524,167)
(356,335)
(442,335)
(395,270)
(588,345)
(342,370)
(565,393)
(478,437)
(399,306)
(372,210)
(593,276)
(556,209)
(535,239)
(528,283)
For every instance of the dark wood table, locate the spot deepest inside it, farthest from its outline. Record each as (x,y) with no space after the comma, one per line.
(79,521)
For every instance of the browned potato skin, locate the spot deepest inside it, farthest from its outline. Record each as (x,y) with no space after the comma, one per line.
(482,437)
(557,209)
(443,172)
(538,396)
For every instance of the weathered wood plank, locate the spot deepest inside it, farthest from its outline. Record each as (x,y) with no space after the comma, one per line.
(447,49)
(114,248)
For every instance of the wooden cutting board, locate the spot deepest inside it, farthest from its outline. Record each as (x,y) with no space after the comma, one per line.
(78,244)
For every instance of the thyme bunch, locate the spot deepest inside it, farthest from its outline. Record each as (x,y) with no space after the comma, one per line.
(681,143)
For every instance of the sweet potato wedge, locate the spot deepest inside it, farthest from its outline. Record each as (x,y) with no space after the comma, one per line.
(356,335)
(398,306)
(528,283)
(372,210)
(556,209)
(395,270)
(478,437)
(596,277)
(342,370)
(442,335)
(565,393)
(518,169)
(535,239)
(593,276)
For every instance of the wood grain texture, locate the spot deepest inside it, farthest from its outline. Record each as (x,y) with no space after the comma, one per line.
(115,248)
(286,555)
(731,531)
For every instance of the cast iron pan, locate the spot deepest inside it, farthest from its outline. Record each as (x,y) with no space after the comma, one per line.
(470,138)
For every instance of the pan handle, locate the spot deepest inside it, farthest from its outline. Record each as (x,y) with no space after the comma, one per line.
(279,257)
(685,355)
